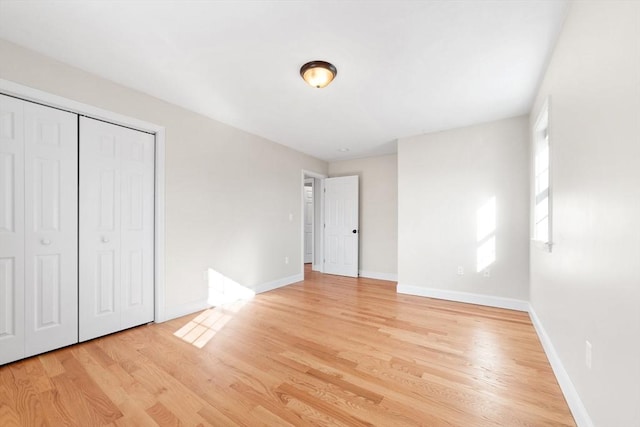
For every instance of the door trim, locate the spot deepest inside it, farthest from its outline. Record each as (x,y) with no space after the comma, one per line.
(47,99)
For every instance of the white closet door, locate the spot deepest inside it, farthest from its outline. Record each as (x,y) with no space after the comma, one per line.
(137,181)
(11,229)
(51,228)
(38,229)
(116,228)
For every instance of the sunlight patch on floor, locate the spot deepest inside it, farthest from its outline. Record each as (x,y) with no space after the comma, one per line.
(204,327)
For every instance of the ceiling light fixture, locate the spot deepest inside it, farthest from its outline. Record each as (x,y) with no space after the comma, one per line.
(318,74)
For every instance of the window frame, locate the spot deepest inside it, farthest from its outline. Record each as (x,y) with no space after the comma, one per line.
(541,138)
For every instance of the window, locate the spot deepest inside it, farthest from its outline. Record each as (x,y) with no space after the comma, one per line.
(542,187)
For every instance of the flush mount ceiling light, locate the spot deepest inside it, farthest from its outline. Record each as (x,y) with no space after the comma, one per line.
(318,74)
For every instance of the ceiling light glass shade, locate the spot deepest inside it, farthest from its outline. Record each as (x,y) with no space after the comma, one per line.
(318,73)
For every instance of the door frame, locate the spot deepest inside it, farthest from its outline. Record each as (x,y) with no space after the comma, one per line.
(319,236)
(27,93)
(311,181)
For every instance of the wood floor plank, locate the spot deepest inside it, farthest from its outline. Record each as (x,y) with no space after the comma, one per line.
(100,407)
(163,416)
(56,412)
(134,416)
(71,399)
(8,416)
(25,395)
(328,351)
(51,364)
(268,418)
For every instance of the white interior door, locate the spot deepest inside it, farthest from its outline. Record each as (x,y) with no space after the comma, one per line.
(308,220)
(116,228)
(12,335)
(38,229)
(51,228)
(341,226)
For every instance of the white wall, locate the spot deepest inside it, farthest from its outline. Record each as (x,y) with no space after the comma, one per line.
(588,288)
(443,179)
(378,212)
(228,193)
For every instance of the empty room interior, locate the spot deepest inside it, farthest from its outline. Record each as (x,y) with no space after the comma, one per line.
(337,213)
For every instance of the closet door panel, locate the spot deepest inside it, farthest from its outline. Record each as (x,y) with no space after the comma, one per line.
(137,227)
(116,228)
(51,204)
(99,293)
(11,229)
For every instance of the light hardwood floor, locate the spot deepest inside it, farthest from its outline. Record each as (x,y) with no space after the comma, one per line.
(328,351)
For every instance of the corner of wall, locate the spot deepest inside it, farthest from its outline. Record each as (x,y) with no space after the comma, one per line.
(578,410)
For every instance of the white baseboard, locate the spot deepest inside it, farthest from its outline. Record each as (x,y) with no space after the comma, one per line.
(468,297)
(278,283)
(195,306)
(393,277)
(576,406)
(182,310)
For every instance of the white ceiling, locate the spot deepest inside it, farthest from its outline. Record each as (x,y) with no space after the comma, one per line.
(404,67)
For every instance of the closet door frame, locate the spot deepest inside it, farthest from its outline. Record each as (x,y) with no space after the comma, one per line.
(34,95)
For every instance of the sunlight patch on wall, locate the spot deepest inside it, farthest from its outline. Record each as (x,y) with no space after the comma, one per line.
(486,253)
(223,290)
(486,218)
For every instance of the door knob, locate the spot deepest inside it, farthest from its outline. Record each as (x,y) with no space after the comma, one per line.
(354,231)
(45,242)
(105,239)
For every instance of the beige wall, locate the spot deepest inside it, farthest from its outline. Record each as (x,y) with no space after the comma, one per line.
(443,180)
(228,193)
(378,212)
(588,288)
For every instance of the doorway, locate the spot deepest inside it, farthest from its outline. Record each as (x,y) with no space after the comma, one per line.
(308,218)
(311,186)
